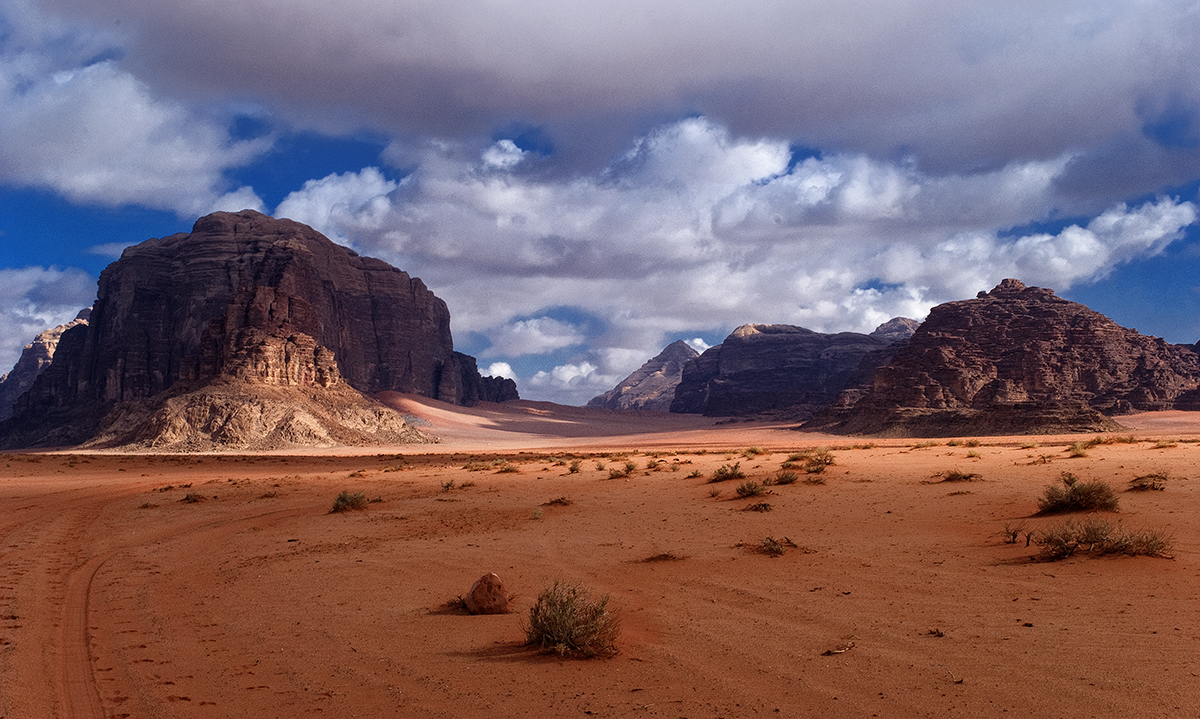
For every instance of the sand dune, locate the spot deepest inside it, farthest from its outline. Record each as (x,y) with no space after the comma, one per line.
(120,598)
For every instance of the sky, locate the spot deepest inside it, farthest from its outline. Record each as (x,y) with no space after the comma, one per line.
(586,182)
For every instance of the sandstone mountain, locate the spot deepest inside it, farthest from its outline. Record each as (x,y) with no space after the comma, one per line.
(1019,360)
(247,332)
(652,386)
(772,368)
(36,357)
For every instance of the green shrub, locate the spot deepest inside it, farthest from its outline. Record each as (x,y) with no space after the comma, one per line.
(347,501)
(1071,495)
(567,621)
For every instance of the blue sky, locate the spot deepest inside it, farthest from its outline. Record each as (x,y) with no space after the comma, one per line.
(584,183)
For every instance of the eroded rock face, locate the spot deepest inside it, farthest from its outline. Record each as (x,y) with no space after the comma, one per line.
(652,386)
(766,368)
(1018,359)
(249,300)
(36,357)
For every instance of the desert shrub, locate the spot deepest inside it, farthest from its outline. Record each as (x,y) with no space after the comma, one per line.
(1030,445)
(538,513)
(775,547)
(789,465)
(347,501)
(973,454)
(759,507)
(752,452)
(448,485)
(1156,481)
(953,443)
(575,466)
(629,467)
(923,445)
(566,620)
(600,466)
(868,445)
(1165,444)
(653,465)
(1071,495)
(714,493)
(728,471)
(560,501)
(1079,449)
(955,475)
(786,478)
(972,443)
(814,479)
(750,489)
(507,468)
(1011,531)
(817,461)
(192,498)
(695,473)
(1097,535)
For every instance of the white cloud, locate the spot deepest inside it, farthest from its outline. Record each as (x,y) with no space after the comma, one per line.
(36,298)
(697,344)
(341,206)
(539,335)
(569,383)
(695,229)
(500,369)
(504,154)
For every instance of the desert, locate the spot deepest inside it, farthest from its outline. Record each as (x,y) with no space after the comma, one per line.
(220,584)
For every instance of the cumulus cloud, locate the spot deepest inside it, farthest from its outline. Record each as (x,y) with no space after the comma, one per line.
(94,133)
(341,206)
(36,298)
(696,230)
(536,336)
(500,369)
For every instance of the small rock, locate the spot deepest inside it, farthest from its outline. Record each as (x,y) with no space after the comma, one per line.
(487,596)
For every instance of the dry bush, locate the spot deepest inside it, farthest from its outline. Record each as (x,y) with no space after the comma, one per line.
(1156,481)
(559,501)
(567,621)
(786,478)
(759,507)
(1079,449)
(1098,536)
(750,489)
(347,501)
(1011,531)
(752,452)
(775,547)
(1071,495)
(728,471)
(818,461)
(955,475)
(695,473)
(575,466)
(507,468)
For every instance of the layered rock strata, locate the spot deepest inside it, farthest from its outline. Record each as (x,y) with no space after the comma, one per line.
(652,386)
(770,368)
(245,302)
(1017,360)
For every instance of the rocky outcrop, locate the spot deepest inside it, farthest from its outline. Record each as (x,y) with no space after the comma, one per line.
(768,368)
(652,386)
(244,302)
(896,329)
(36,357)
(1017,360)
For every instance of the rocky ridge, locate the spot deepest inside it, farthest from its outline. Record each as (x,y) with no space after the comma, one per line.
(210,336)
(762,368)
(1017,360)
(35,357)
(652,386)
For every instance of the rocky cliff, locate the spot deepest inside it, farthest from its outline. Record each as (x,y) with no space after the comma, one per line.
(245,302)
(652,386)
(1017,359)
(769,368)
(35,357)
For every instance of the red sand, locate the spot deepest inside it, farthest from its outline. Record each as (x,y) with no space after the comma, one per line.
(119,599)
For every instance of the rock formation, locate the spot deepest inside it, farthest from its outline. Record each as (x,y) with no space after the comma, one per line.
(35,358)
(769,368)
(236,324)
(652,386)
(1019,360)
(487,596)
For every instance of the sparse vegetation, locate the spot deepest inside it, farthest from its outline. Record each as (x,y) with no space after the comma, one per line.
(728,471)
(347,501)
(1099,536)
(814,479)
(1165,444)
(816,462)
(575,466)
(192,498)
(956,475)
(448,485)
(559,501)
(695,473)
(759,507)
(972,443)
(1156,481)
(750,489)
(973,455)
(1072,495)
(923,445)
(714,493)
(1079,449)
(538,513)
(566,620)
(775,547)
(1011,531)
(752,452)
(786,478)
(507,468)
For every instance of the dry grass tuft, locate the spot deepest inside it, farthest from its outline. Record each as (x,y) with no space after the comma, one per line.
(1156,481)
(750,489)
(348,501)
(1098,536)
(1071,495)
(567,621)
(728,471)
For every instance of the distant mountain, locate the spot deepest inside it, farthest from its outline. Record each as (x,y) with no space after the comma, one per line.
(35,358)
(1017,360)
(248,332)
(781,368)
(652,386)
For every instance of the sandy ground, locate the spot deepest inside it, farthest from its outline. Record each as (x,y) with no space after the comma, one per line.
(120,599)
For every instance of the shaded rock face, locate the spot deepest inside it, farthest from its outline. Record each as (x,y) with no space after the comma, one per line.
(767,368)
(245,298)
(652,386)
(35,358)
(1017,359)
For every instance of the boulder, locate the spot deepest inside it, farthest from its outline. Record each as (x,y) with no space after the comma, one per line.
(487,596)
